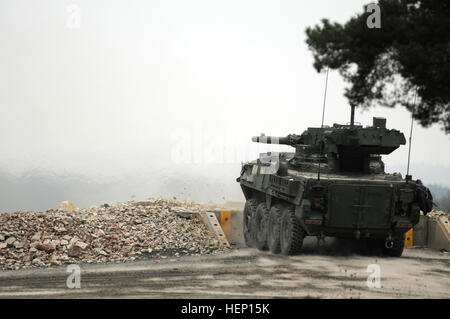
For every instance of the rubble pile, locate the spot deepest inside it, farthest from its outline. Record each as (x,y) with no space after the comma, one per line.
(123,232)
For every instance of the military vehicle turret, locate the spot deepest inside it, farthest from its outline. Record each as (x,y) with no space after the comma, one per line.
(334,184)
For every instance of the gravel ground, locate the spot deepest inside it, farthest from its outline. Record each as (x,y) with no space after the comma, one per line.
(244,273)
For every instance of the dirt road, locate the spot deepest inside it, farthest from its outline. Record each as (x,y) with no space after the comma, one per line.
(244,273)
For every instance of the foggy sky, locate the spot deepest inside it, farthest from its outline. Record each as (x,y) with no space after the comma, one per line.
(116,98)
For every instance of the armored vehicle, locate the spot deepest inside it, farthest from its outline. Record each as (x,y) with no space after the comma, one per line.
(334,184)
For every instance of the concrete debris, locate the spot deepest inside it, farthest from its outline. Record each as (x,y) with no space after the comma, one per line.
(66,206)
(108,233)
(10,241)
(74,251)
(45,247)
(435,214)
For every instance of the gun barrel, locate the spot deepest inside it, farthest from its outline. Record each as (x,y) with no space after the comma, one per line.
(271,140)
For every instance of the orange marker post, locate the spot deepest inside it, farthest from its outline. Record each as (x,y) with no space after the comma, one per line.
(225,222)
(409,238)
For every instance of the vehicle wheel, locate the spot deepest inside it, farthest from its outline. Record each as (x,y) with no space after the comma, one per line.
(259,227)
(273,231)
(397,248)
(291,233)
(249,212)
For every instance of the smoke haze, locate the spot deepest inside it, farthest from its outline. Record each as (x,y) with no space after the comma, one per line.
(161,98)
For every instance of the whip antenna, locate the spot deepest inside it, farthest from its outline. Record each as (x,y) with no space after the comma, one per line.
(410,136)
(323,116)
(325,97)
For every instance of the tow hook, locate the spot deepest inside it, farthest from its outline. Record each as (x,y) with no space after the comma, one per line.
(389,242)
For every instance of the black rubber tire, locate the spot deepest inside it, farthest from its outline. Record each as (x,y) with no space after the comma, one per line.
(291,232)
(259,226)
(249,211)
(397,249)
(273,231)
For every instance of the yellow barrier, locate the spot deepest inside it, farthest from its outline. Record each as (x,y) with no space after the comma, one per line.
(225,222)
(409,238)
